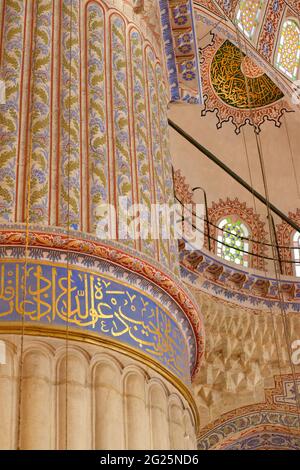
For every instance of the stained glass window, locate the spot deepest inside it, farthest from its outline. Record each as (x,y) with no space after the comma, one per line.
(296,252)
(248,16)
(288,55)
(231,243)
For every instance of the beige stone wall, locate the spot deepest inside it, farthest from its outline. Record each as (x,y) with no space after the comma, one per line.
(245,349)
(82,396)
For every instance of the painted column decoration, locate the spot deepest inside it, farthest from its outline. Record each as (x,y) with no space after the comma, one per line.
(84,125)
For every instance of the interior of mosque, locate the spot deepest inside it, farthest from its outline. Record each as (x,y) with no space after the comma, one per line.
(149,342)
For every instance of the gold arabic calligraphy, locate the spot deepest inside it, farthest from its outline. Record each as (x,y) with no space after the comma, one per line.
(55,294)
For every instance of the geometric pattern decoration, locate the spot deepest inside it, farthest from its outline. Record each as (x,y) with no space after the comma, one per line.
(235,89)
(248,16)
(229,7)
(269,31)
(267,439)
(177,18)
(182,188)
(270,425)
(238,213)
(275,43)
(229,282)
(288,54)
(211,6)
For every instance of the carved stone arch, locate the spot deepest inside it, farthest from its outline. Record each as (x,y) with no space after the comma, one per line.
(12,352)
(73,398)
(72,353)
(176,399)
(103,357)
(157,399)
(72,349)
(40,345)
(136,412)
(36,409)
(8,395)
(47,350)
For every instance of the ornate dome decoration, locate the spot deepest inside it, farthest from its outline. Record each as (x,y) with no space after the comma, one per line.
(262,23)
(227,78)
(248,16)
(288,54)
(211,6)
(231,85)
(272,424)
(182,189)
(268,35)
(228,6)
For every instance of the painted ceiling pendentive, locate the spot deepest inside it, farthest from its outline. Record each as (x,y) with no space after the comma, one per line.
(239,82)
(269,25)
(237,89)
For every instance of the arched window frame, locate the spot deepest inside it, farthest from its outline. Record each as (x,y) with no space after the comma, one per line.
(242,257)
(296,252)
(296,75)
(285,238)
(253,35)
(257,228)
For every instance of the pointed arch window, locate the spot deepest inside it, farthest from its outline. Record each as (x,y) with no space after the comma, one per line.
(231,244)
(288,53)
(248,16)
(296,252)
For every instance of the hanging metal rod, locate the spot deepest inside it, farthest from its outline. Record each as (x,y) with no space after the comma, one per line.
(234,175)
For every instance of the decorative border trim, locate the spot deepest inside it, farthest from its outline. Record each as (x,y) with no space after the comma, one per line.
(211,274)
(169,50)
(181,63)
(227,32)
(60,240)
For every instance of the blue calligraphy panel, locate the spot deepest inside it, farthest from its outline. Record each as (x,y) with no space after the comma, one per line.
(54,294)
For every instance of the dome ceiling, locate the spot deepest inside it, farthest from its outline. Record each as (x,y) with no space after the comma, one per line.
(239,82)
(224,69)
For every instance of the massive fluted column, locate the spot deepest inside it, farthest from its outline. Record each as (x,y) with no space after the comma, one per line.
(85,124)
